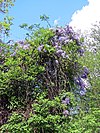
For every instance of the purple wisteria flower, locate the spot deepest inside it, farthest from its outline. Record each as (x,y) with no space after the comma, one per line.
(55,43)
(67,41)
(66,101)
(69,29)
(62,38)
(26,46)
(86,70)
(63,54)
(84,76)
(82,85)
(85,73)
(13,54)
(81,82)
(40,48)
(82,92)
(57,47)
(21,42)
(59,52)
(59,31)
(64,35)
(76,37)
(23,45)
(78,81)
(66,112)
(81,51)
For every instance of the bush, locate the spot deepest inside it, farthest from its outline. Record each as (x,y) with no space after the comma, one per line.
(43,82)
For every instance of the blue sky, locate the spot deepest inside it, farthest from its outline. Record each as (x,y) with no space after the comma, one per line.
(29,11)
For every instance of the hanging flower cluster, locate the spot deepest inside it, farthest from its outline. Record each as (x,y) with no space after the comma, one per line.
(20,45)
(63,67)
(81,82)
(64,37)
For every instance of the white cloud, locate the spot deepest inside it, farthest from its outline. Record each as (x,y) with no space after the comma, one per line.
(56,21)
(88,15)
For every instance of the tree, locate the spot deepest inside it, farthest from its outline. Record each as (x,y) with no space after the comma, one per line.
(7,20)
(43,75)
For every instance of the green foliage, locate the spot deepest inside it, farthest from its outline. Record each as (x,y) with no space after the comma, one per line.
(6,23)
(16,124)
(44,83)
(19,72)
(46,116)
(92,61)
(45,18)
(87,123)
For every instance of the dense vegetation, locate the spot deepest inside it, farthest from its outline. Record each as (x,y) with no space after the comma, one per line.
(49,83)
